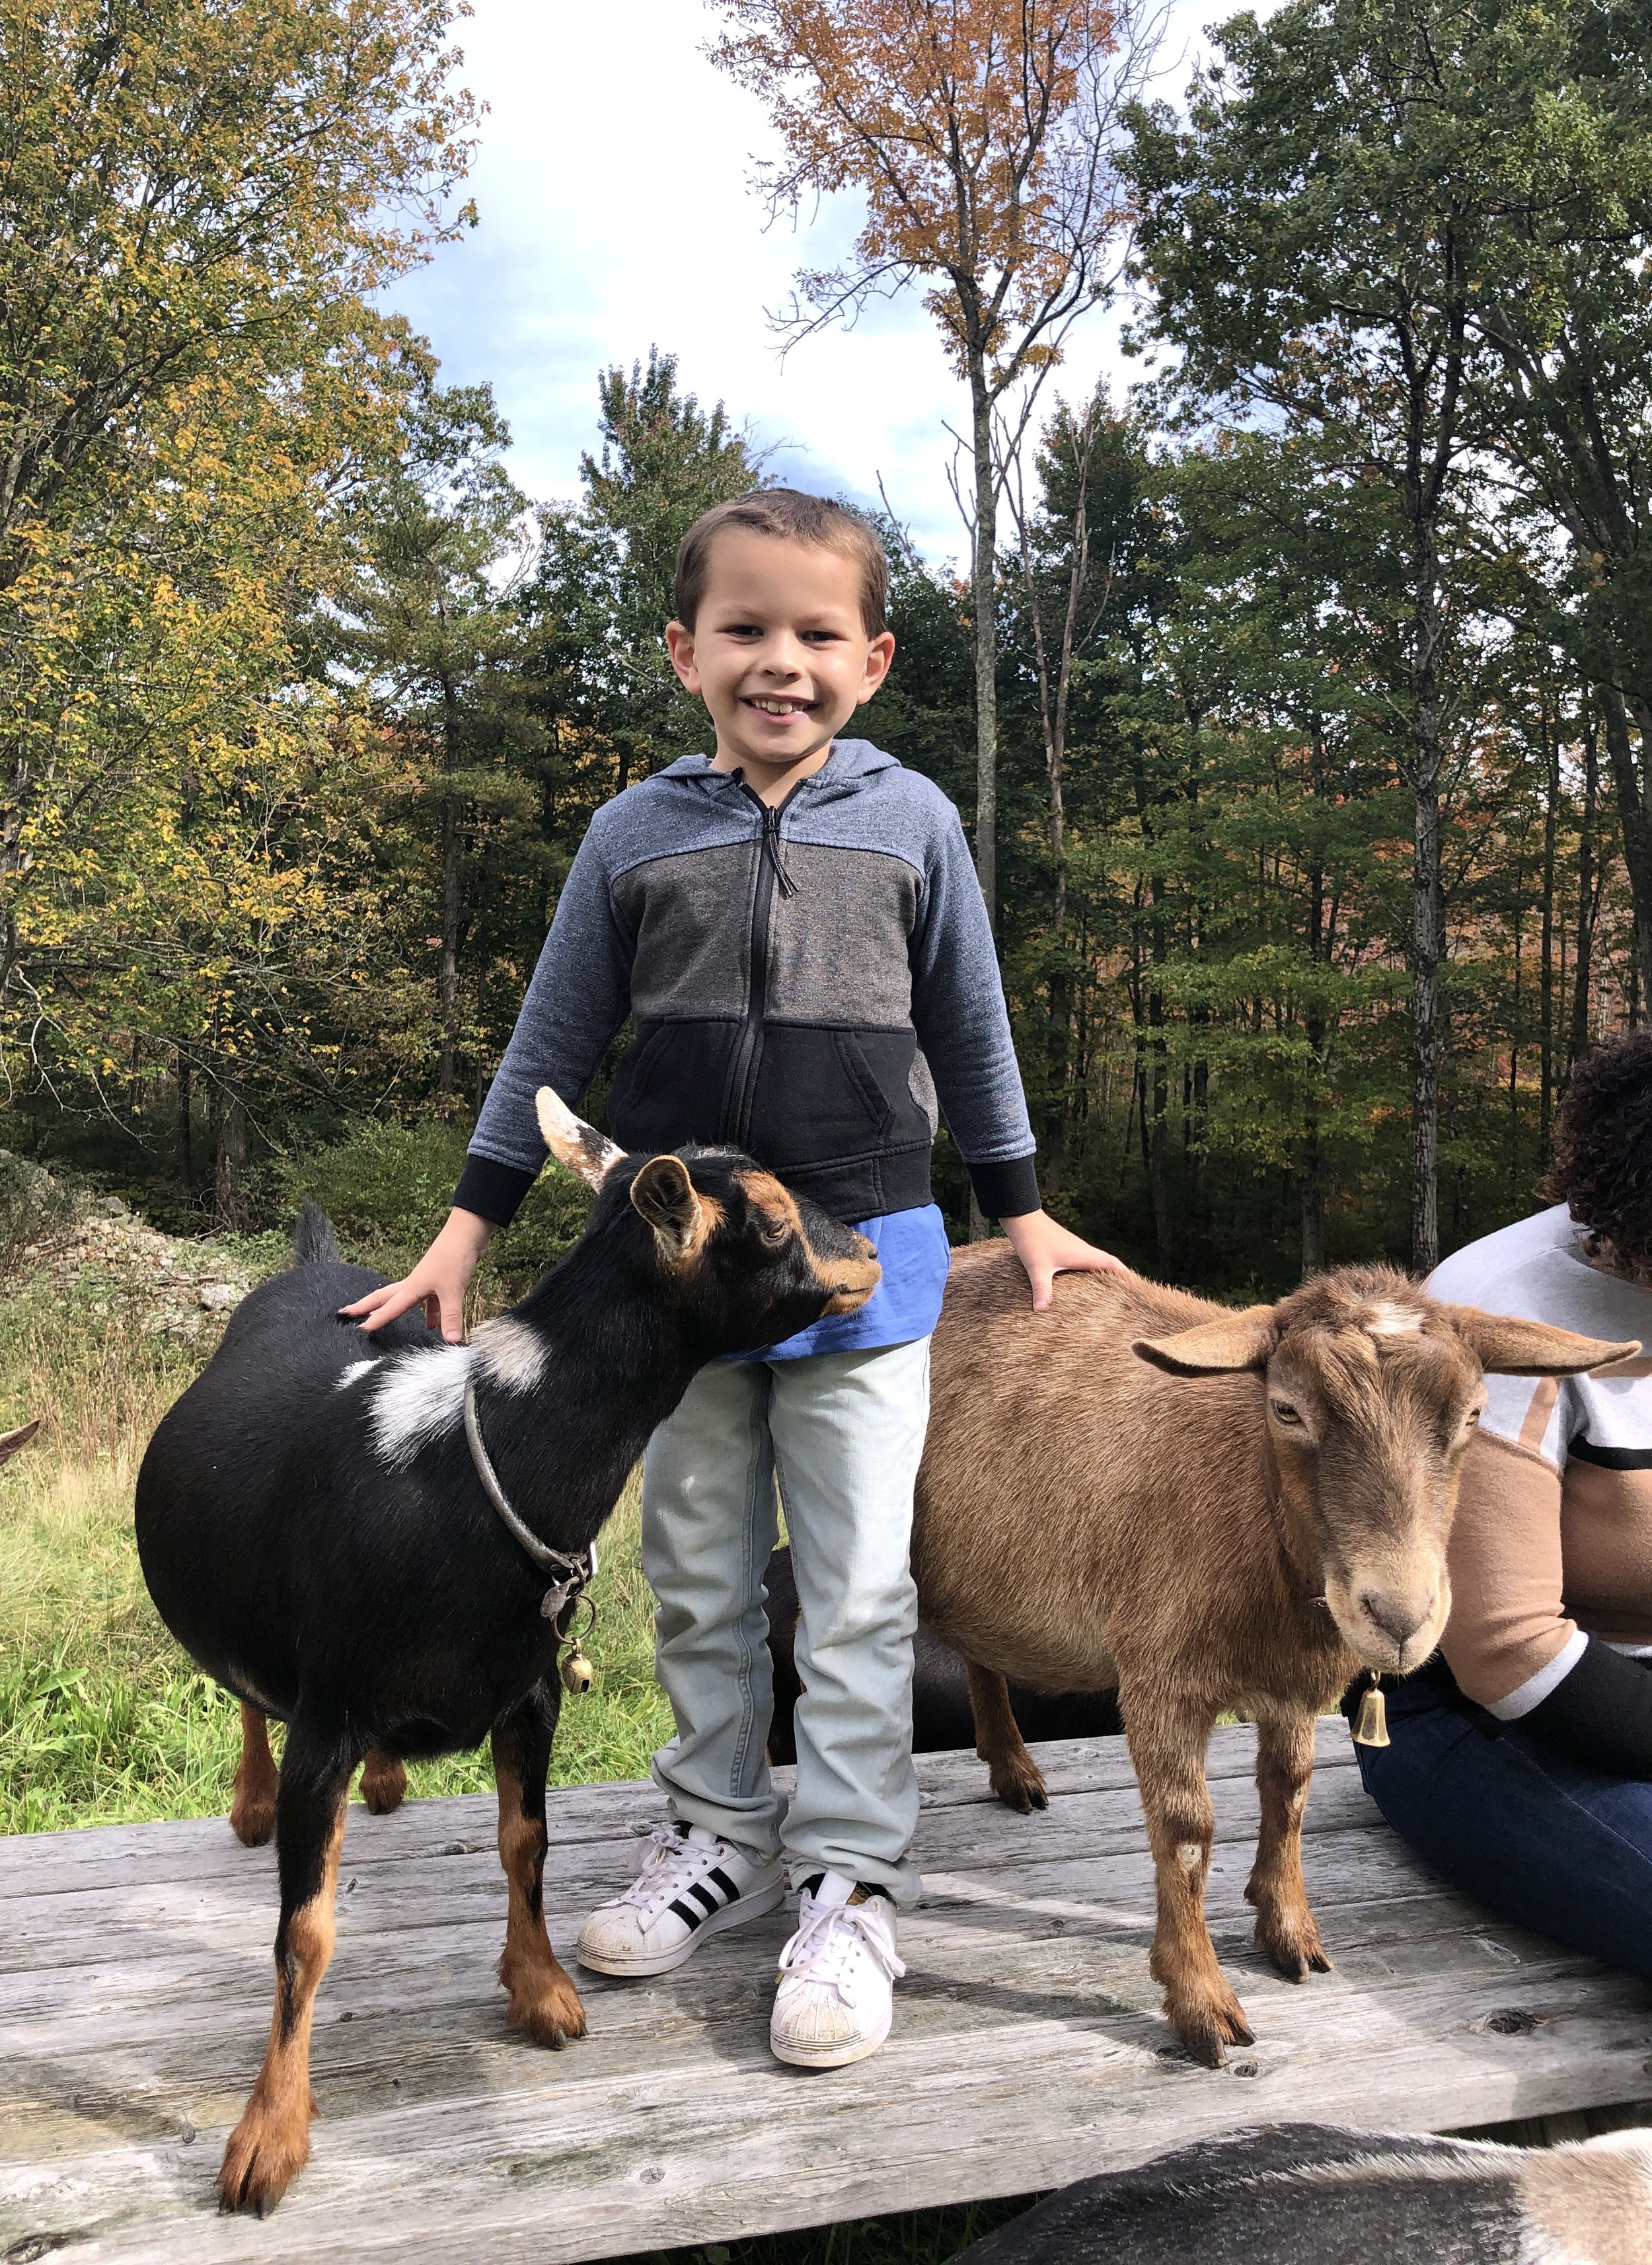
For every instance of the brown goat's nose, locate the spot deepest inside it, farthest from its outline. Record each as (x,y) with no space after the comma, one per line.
(1399,1617)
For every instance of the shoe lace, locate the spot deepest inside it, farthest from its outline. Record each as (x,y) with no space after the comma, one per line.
(828,1943)
(669,1863)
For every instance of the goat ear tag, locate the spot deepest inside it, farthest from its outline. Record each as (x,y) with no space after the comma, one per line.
(573,1142)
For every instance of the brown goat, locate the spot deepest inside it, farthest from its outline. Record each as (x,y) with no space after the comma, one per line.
(1202,1509)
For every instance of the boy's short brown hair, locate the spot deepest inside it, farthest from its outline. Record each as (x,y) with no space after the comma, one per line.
(1603,1147)
(792,516)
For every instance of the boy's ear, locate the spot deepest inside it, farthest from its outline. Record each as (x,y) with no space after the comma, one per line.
(879,654)
(680,646)
(573,1142)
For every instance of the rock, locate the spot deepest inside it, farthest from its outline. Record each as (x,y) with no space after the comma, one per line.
(219,1297)
(110,1207)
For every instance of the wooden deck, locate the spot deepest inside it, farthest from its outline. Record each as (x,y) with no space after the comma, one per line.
(1028,2050)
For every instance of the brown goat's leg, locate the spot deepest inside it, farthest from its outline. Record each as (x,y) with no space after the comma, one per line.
(1016,1779)
(543,2000)
(1284,1765)
(252,1804)
(383,1783)
(1167,1745)
(271,2142)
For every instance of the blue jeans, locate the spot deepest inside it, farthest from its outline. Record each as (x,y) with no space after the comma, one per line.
(843,1433)
(1539,1840)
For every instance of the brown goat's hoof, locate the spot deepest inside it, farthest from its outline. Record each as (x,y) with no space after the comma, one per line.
(383,1785)
(1205,2027)
(1292,1946)
(253,1818)
(266,2153)
(1020,1792)
(544,2004)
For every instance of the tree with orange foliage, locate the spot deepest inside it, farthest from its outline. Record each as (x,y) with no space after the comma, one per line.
(980,132)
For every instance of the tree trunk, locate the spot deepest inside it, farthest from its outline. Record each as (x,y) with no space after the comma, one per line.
(1427,913)
(185,1128)
(448,971)
(985,602)
(1635,819)
(228,1201)
(1546,971)
(1582,971)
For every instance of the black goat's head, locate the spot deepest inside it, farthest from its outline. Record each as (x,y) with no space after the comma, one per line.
(753,1262)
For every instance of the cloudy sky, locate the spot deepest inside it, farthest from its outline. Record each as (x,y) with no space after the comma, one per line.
(613,185)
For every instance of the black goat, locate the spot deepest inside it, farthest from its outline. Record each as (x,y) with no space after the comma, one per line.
(941,1717)
(318,1523)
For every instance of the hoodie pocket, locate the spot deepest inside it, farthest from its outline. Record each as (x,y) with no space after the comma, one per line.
(668,1089)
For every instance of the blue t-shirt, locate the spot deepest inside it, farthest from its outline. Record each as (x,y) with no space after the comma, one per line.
(911,1249)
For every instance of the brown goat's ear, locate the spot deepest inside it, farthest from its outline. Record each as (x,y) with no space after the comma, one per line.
(11,1441)
(1506,1345)
(1242,1340)
(664,1195)
(573,1142)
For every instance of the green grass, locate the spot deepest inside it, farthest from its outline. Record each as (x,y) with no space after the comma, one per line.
(103,1720)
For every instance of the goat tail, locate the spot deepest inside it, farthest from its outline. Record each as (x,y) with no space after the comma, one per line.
(314,1242)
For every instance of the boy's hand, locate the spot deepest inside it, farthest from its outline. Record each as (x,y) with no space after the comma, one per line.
(1046,1249)
(437,1282)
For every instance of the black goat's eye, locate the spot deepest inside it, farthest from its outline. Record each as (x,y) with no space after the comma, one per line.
(1285,1413)
(775,1232)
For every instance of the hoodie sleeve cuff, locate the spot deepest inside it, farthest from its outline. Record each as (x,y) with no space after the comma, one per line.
(492,1190)
(1006,1190)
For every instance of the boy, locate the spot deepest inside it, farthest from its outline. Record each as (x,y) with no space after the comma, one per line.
(797,926)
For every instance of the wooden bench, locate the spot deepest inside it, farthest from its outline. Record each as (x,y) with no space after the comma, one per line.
(134,1991)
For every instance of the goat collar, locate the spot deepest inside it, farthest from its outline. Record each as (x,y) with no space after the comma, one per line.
(577,1573)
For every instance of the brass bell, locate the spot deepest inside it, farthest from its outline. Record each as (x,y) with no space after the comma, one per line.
(1371,1729)
(577,1674)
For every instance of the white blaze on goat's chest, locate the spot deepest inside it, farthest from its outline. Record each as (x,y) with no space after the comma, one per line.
(420,1396)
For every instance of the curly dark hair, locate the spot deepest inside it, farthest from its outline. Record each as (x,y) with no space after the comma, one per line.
(1603,1147)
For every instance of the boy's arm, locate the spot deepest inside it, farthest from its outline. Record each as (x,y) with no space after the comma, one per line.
(958,1011)
(579,995)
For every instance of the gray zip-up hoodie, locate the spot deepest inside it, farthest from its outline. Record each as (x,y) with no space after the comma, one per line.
(805,980)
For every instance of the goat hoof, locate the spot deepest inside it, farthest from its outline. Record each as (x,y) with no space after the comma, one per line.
(1206,2028)
(384,1786)
(543,2005)
(1024,1794)
(1293,1949)
(264,2156)
(253,1821)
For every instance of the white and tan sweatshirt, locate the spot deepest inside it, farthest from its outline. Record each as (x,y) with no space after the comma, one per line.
(1552,1543)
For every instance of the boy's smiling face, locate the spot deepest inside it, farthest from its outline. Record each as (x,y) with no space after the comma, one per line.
(780,654)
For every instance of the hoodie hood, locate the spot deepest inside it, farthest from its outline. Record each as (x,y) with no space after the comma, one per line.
(850,763)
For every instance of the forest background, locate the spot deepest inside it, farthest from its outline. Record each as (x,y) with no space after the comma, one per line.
(1299,701)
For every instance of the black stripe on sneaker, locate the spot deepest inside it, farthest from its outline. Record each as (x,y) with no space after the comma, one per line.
(700,1888)
(690,1917)
(732,1894)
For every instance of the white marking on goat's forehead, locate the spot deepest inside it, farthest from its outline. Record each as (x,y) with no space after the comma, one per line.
(1387,1319)
(509,1353)
(353,1374)
(420,1396)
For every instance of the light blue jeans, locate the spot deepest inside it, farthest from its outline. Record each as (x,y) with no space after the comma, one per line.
(843,1433)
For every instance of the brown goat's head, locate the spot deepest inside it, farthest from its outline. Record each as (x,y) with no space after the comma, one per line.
(1371,1393)
(748,1262)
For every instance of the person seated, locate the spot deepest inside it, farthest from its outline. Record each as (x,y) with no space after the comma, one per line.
(1520,1766)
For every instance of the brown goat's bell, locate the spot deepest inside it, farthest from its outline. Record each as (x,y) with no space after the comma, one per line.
(577,1674)
(1371,1729)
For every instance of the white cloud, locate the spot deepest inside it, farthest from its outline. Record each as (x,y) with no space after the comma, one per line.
(613,183)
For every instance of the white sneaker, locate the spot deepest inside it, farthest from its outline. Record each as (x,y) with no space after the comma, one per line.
(836,1996)
(690,1885)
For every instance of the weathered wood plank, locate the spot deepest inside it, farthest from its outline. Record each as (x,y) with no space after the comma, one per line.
(134,2001)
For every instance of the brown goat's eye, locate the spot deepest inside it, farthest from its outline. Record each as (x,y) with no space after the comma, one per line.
(1471,1418)
(1285,1413)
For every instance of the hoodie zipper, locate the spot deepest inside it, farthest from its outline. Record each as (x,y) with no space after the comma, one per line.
(740,1092)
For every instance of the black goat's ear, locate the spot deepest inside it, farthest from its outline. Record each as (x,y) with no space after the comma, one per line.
(664,1195)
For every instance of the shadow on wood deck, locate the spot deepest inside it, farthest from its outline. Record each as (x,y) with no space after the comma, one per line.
(1028,2050)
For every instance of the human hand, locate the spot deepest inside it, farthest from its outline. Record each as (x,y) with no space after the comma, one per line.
(437,1282)
(1046,1249)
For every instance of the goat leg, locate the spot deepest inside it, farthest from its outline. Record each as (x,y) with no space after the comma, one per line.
(252,1804)
(1167,1745)
(271,2142)
(383,1783)
(1285,1927)
(1016,1779)
(543,2000)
